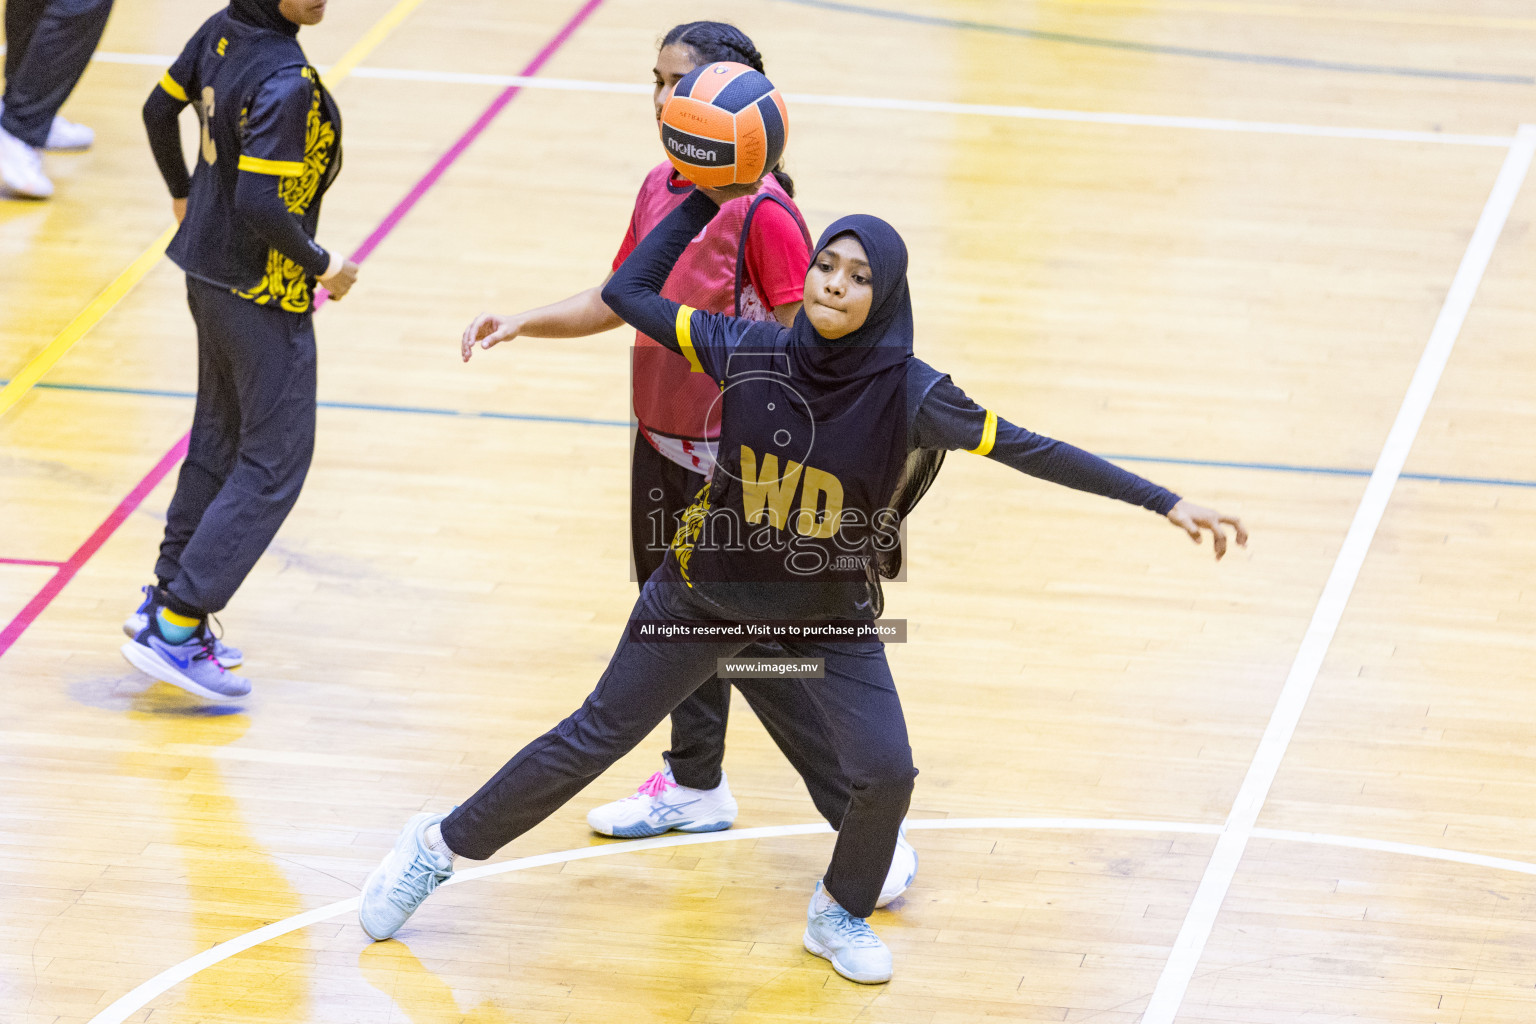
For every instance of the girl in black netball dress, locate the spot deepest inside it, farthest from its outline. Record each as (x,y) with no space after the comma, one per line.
(830,431)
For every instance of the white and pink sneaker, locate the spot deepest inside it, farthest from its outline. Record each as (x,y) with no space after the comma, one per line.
(661,805)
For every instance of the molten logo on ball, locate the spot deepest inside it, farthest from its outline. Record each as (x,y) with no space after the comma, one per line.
(694,151)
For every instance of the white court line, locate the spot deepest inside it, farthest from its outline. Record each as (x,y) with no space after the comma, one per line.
(1196,929)
(973,109)
(1217,124)
(1406,849)
(139,997)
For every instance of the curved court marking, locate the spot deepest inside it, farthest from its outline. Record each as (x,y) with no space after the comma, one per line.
(1301,63)
(138,998)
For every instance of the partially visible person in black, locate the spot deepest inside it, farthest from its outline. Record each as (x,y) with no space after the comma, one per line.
(827,426)
(48,44)
(271,147)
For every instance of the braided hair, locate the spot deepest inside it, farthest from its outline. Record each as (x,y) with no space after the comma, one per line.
(712,41)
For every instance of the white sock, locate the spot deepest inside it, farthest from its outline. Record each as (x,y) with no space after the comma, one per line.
(821,901)
(435,842)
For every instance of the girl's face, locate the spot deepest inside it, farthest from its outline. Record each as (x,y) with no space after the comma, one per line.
(672,63)
(302,12)
(839,288)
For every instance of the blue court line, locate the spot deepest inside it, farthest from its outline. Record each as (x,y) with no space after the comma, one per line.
(414,410)
(1176,51)
(585,421)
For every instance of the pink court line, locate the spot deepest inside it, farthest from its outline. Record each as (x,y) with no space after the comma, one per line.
(30,561)
(465,141)
(66,571)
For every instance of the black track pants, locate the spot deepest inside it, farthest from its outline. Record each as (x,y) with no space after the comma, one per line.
(48,44)
(659,491)
(253,434)
(856,704)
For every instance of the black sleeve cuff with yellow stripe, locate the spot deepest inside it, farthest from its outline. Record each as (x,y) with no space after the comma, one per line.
(947,419)
(173,88)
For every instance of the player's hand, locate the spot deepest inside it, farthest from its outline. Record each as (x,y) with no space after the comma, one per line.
(179,208)
(1192,518)
(486,330)
(726,193)
(341,282)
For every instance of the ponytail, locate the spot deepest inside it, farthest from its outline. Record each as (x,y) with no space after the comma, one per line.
(713,41)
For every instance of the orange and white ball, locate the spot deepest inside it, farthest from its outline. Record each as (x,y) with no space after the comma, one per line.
(725,124)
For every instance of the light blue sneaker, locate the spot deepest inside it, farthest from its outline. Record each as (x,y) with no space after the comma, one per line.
(834,934)
(407,876)
(190,665)
(229,657)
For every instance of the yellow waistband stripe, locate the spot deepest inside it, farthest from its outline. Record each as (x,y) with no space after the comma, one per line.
(685,337)
(281,168)
(988,435)
(178,620)
(173,87)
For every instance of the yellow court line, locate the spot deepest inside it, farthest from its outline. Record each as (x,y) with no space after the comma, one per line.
(371,39)
(1334,13)
(89,317)
(26,378)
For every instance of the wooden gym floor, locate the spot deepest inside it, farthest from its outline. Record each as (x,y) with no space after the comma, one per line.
(1216,239)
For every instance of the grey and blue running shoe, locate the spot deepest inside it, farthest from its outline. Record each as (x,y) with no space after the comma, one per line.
(190,665)
(229,657)
(408,874)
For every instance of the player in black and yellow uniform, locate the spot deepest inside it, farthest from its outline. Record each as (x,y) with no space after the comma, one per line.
(271,147)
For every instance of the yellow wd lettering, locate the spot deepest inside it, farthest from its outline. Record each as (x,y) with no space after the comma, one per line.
(223,43)
(817,483)
(768,495)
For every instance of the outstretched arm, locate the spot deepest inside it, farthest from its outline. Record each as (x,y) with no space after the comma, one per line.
(582,314)
(947,418)
(588,312)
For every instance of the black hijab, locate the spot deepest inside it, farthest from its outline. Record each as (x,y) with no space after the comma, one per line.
(262,14)
(838,374)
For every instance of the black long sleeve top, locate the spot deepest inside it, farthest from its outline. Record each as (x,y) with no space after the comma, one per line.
(940,415)
(275,129)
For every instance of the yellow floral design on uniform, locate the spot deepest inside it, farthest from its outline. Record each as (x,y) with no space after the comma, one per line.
(688,531)
(284,281)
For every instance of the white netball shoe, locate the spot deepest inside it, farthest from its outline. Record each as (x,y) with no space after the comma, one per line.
(65,134)
(21,169)
(661,805)
(903,870)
